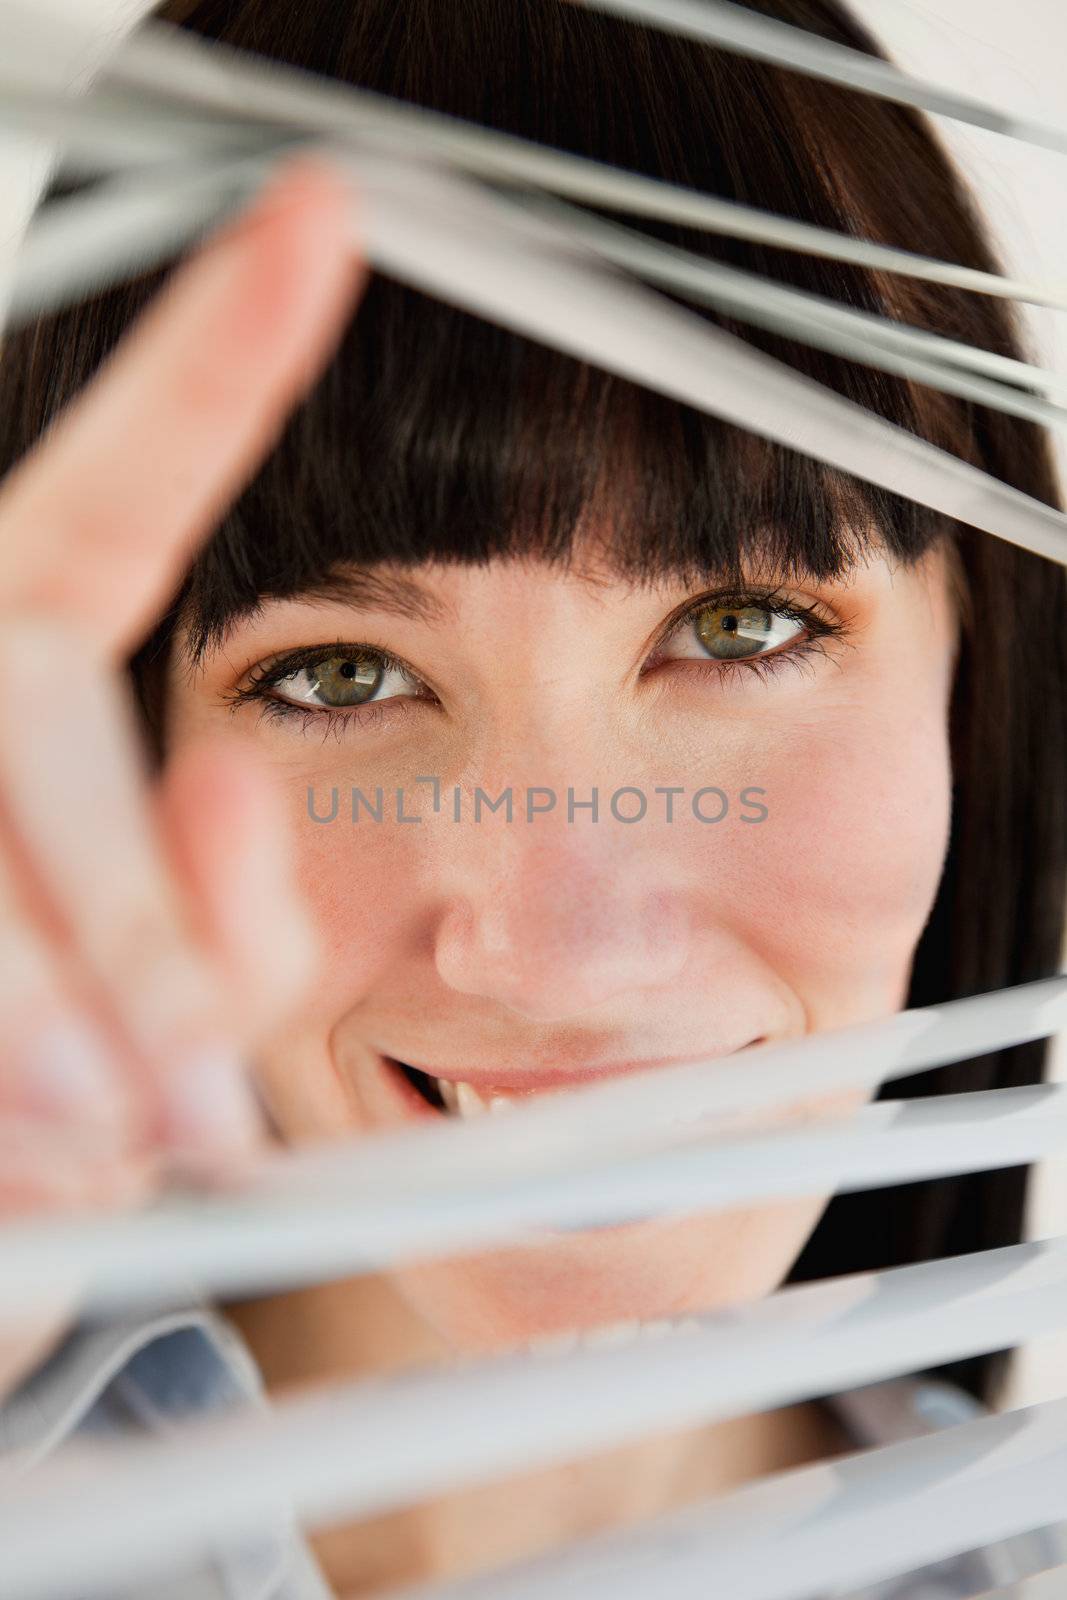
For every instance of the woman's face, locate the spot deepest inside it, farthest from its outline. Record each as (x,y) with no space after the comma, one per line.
(517,955)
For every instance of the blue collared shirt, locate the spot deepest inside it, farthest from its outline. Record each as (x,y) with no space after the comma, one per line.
(147,1372)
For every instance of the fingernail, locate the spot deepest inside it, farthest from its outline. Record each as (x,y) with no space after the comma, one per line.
(66,1071)
(210,1103)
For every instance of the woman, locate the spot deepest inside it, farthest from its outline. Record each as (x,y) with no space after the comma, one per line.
(467,558)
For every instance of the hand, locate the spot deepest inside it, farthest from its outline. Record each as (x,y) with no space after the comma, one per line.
(141,954)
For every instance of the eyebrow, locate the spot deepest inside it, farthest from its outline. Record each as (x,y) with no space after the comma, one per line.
(377,589)
(369,587)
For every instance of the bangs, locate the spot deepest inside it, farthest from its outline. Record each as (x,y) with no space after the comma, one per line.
(435,436)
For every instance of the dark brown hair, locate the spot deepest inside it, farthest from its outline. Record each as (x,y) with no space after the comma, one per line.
(434,435)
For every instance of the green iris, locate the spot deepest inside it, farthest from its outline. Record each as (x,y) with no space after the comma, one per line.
(344,681)
(730,632)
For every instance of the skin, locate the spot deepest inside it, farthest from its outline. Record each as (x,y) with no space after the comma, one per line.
(527,950)
(534,952)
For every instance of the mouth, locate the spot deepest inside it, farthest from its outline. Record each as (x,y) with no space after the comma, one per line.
(454,1097)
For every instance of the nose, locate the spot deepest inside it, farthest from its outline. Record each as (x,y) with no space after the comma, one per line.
(550,920)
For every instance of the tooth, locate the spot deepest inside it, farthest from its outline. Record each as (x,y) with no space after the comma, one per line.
(448,1095)
(464,1100)
(469,1102)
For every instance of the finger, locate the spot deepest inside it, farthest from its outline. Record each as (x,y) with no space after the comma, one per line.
(74,800)
(48,1169)
(98,523)
(224,821)
(57,1065)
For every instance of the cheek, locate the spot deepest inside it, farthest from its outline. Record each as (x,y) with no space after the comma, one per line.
(361,883)
(832,890)
(360,880)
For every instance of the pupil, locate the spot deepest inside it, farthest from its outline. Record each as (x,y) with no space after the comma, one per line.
(348,669)
(729,624)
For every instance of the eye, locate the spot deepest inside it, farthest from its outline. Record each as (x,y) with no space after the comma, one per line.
(731,632)
(337,682)
(325,682)
(731,635)
(734,631)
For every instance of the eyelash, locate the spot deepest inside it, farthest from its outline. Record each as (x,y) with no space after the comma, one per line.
(819,630)
(325,719)
(795,654)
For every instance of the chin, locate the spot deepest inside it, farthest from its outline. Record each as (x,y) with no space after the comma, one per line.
(648,1272)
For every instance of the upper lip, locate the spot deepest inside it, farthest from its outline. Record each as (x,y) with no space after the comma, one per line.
(541,1075)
